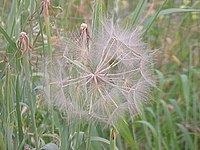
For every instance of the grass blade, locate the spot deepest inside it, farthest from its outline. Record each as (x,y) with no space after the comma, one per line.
(10,41)
(137,12)
(149,23)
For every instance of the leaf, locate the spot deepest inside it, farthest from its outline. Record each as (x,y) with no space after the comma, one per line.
(18,110)
(150,21)
(2,145)
(169,123)
(10,41)
(177,108)
(161,78)
(185,87)
(186,136)
(97,16)
(77,140)
(160,12)
(99,139)
(148,125)
(138,10)
(176,10)
(151,111)
(125,132)
(50,146)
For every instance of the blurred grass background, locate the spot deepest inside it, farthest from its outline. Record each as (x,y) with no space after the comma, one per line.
(171,121)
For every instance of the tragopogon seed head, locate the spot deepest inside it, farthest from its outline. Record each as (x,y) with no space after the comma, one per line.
(105,77)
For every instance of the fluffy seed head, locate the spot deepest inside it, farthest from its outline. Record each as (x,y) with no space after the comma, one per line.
(104,77)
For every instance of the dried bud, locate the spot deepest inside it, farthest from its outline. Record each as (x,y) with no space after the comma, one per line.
(84,42)
(83,26)
(23,42)
(45,7)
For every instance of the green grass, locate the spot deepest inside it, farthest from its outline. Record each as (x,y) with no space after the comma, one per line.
(170,121)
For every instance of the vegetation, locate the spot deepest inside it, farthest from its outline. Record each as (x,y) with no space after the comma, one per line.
(41,46)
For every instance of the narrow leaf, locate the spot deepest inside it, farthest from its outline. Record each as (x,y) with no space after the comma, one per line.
(10,41)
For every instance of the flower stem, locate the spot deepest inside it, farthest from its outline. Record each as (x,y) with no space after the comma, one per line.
(113,136)
(89,136)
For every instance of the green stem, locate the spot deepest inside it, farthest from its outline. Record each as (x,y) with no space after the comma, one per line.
(112,138)
(89,136)
(30,91)
(19,120)
(33,120)
(48,32)
(8,105)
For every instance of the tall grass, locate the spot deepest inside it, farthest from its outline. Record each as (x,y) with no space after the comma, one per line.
(170,121)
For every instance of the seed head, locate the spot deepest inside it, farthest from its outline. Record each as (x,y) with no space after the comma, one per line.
(105,77)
